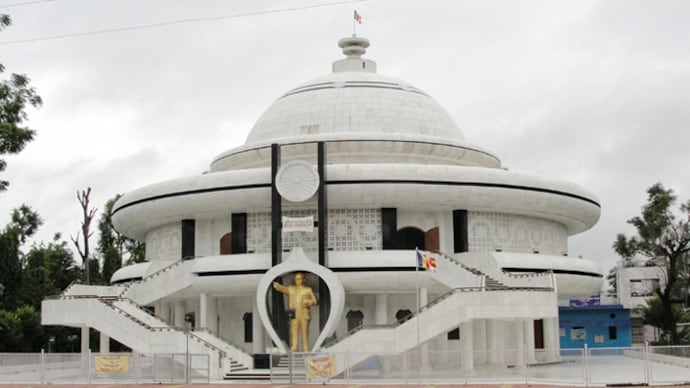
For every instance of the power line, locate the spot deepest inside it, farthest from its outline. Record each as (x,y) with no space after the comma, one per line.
(25,3)
(179,21)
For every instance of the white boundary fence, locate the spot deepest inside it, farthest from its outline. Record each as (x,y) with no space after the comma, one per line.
(635,365)
(56,368)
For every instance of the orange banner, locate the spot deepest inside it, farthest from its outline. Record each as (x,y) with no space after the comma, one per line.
(320,366)
(112,364)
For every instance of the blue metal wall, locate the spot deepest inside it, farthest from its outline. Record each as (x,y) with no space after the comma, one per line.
(594,326)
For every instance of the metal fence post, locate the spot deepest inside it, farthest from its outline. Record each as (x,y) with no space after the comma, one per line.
(525,363)
(137,362)
(43,367)
(647,365)
(405,369)
(585,354)
(88,366)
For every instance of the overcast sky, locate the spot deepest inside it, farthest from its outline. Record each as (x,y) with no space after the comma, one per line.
(592,92)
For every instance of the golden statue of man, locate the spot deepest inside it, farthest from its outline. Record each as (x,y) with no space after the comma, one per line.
(300,298)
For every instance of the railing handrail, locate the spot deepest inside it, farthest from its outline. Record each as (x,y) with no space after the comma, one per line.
(462,265)
(149,277)
(431,304)
(225,340)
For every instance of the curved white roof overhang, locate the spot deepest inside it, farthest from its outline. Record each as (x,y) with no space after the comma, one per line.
(423,187)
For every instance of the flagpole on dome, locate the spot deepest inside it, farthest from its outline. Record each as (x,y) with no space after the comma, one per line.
(357,18)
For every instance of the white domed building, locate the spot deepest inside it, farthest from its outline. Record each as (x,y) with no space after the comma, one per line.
(342,178)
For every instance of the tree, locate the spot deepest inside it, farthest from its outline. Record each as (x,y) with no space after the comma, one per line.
(114,248)
(24,224)
(663,239)
(49,269)
(15,96)
(87,217)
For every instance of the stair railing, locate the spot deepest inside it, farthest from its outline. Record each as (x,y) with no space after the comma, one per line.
(332,341)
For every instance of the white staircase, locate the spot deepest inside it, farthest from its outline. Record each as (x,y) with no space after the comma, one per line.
(133,326)
(444,314)
(164,282)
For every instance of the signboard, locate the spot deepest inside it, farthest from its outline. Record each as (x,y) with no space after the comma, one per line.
(298,224)
(112,364)
(323,366)
(594,300)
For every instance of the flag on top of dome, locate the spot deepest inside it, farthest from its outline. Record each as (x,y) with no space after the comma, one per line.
(358,17)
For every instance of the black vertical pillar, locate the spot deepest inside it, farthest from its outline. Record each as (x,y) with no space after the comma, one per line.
(238,223)
(188,227)
(276,209)
(278,316)
(389,224)
(324,293)
(460,233)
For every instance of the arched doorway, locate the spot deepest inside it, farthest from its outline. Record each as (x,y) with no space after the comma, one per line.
(411,238)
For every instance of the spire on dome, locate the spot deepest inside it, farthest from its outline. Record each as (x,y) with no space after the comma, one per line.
(353,48)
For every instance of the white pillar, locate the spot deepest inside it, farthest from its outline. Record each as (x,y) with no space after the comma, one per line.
(178,314)
(85,351)
(519,331)
(104,345)
(381,318)
(551,339)
(492,338)
(381,315)
(479,329)
(423,300)
(203,311)
(556,339)
(212,314)
(466,338)
(528,327)
(258,345)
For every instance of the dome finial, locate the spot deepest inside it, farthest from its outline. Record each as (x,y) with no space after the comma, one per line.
(354,46)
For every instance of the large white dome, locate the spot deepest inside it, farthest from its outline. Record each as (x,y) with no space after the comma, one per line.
(358,108)
(351,104)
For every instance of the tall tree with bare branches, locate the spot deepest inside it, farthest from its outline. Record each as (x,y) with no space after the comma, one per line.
(87,216)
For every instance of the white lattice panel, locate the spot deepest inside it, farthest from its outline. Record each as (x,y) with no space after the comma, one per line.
(515,233)
(348,230)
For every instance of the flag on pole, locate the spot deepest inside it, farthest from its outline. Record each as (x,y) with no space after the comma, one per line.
(431,263)
(425,261)
(358,17)
(421,260)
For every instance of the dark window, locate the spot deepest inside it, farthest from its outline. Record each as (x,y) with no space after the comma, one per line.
(454,334)
(354,319)
(460,233)
(539,334)
(188,227)
(247,327)
(403,315)
(613,332)
(389,227)
(238,223)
